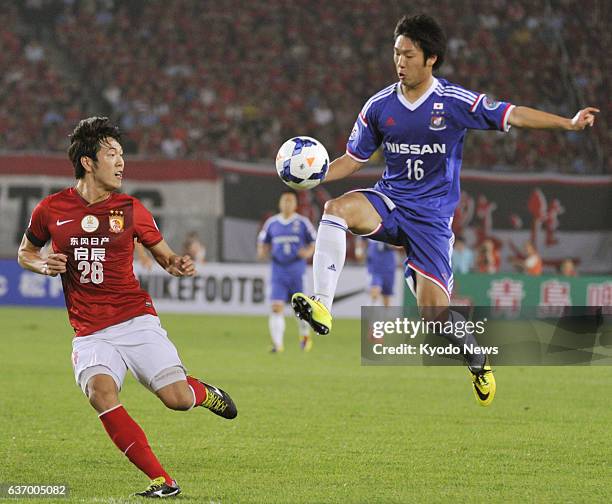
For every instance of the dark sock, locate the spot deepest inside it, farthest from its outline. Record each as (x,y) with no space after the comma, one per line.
(474,361)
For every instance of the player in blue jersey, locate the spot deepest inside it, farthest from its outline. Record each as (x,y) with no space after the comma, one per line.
(381,263)
(420,122)
(288,239)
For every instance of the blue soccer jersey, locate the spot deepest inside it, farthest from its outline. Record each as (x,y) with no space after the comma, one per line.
(381,262)
(423,142)
(286,237)
(381,258)
(419,190)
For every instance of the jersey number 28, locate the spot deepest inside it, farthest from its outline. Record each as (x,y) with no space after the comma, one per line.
(91,272)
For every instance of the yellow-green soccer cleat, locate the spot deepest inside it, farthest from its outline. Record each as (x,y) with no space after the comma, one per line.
(313,312)
(218,401)
(483,383)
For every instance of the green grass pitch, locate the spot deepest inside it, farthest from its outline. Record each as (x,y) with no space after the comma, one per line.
(312,428)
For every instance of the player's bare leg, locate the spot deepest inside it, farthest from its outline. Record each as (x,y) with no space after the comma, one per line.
(276,324)
(356,210)
(128,436)
(177,396)
(350,211)
(188,392)
(375,293)
(102,392)
(433,305)
(386,301)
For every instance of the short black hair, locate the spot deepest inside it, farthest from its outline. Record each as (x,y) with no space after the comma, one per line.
(289,191)
(87,138)
(426,33)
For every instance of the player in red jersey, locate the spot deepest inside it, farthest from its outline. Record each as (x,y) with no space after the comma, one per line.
(92,230)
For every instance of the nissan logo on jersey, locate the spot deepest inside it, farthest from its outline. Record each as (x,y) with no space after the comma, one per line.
(403,148)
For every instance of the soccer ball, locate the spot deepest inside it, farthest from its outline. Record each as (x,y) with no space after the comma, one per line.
(302,162)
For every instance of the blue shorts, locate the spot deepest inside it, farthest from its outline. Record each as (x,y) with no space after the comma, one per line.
(428,242)
(284,285)
(384,280)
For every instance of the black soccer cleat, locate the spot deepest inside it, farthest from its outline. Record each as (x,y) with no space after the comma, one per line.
(219,402)
(159,489)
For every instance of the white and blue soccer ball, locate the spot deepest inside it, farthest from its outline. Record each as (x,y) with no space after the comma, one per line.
(302,162)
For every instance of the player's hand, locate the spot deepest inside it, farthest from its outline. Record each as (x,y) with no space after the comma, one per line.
(584,118)
(55,264)
(181,266)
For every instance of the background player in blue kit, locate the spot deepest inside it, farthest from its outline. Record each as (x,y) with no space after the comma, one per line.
(288,238)
(420,122)
(381,260)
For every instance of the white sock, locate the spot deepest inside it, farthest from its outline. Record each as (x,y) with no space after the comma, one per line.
(276,323)
(303,328)
(328,261)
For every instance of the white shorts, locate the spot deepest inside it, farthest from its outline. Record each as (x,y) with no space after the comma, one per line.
(139,344)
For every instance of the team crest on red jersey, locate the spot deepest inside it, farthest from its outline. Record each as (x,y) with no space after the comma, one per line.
(89,223)
(115,221)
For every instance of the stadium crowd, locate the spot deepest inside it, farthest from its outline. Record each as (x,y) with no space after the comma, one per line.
(37,105)
(193,78)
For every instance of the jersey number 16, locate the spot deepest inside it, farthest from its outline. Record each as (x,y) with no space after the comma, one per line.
(415,170)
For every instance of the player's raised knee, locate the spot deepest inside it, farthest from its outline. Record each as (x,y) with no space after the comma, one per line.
(359,215)
(339,207)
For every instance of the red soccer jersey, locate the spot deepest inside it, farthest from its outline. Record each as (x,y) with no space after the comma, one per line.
(99,284)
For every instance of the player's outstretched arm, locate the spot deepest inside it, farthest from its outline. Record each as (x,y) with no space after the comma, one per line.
(342,167)
(31,258)
(173,263)
(526,117)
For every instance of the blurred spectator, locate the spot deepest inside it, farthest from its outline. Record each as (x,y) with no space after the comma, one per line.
(488,259)
(531,262)
(463,256)
(568,268)
(194,248)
